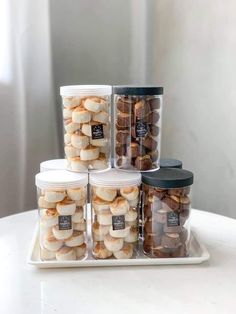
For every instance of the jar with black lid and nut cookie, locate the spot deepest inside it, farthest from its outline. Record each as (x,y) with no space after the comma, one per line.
(165,212)
(137,127)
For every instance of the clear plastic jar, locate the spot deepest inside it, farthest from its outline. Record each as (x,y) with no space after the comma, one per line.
(53,164)
(86,116)
(164,163)
(62,203)
(170,163)
(137,127)
(166,212)
(115,198)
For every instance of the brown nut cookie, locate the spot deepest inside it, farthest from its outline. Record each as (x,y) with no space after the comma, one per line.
(121,149)
(183,235)
(143,163)
(147,211)
(153,129)
(124,119)
(152,240)
(179,191)
(135,149)
(154,103)
(124,104)
(161,252)
(184,202)
(123,136)
(153,154)
(172,202)
(141,109)
(171,240)
(118,127)
(152,118)
(149,143)
(152,226)
(159,193)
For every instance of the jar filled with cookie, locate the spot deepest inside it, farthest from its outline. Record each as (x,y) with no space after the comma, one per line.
(137,127)
(115,200)
(86,116)
(165,212)
(62,206)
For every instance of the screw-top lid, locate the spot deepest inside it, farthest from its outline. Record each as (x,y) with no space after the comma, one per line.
(115,178)
(170,163)
(168,178)
(54,164)
(137,90)
(85,90)
(60,179)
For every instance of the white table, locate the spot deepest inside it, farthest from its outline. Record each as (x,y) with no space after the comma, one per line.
(202,289)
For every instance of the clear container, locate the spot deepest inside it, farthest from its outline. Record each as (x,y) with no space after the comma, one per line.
(115,199)
(62,203)
(170,163)
(53,164)
(137,139)
(165,212)
(86,116)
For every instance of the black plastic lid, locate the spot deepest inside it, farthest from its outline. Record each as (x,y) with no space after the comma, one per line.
(171,163)
(168,178)
(137,90)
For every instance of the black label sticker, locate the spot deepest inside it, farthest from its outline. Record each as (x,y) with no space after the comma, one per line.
(173,219)
(64,222)
(97,131)
(141,128)
(118,222)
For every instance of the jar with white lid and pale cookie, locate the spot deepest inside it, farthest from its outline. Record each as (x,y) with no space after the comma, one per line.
(62,205)
(165,212)
(115,200)
(86,116)
(137,139)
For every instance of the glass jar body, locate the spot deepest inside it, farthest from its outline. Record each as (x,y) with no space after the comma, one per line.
(62,223)
(165,218)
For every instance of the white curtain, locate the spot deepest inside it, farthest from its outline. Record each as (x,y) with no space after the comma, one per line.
(28,110)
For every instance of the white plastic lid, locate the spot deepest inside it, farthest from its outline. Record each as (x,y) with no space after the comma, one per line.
(54,164)
(115,178)
(60,179)
(85,90)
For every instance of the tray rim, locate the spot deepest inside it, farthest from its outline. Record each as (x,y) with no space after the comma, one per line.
(205,256)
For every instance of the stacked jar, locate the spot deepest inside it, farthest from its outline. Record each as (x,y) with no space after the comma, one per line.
(137,127)
(86,116)
(53,164)
(166,212)
(115,197)
(62,207)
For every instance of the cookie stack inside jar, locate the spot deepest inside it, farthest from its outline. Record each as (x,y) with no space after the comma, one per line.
(86,116)
(115,198)
(166,212)
(62,203)
(137,127)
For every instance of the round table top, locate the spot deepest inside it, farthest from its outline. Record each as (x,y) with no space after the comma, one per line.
(205,288)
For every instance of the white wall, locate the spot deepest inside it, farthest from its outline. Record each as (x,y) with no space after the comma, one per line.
(194,57)
(187,46)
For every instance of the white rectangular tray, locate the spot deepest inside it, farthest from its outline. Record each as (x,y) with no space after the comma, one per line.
(198,254)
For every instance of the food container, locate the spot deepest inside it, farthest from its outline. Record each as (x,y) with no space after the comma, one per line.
(170,163)
(86,116)
(137,137)
(54,164)
(115,198)
(166,212)
(62,214)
